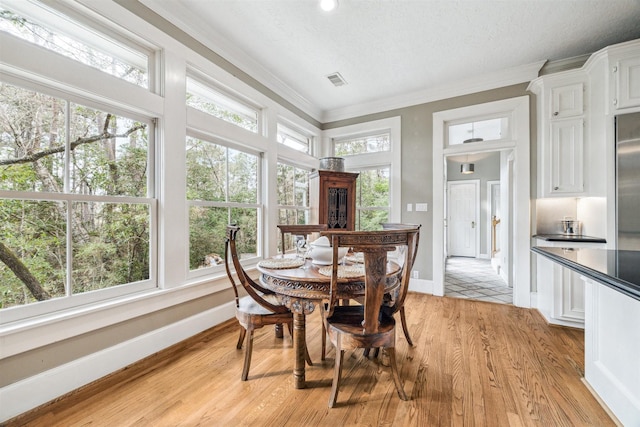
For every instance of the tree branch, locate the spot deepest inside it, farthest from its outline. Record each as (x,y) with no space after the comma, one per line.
(80,141)
(22,272)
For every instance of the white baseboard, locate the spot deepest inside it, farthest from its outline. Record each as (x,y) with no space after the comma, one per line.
(32,392)
(421,285)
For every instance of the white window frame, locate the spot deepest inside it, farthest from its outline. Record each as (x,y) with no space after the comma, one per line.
(92,29)
(71,300)
(228,99)
(259,206)
(392,159)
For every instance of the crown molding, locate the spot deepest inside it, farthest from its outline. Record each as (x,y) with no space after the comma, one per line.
(507,77)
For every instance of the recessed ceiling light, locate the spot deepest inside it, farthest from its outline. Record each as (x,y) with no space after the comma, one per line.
(328,5)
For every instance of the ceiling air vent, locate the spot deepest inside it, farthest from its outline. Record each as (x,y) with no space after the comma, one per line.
(337,79)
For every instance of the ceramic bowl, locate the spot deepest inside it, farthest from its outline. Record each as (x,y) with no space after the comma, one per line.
(321,251)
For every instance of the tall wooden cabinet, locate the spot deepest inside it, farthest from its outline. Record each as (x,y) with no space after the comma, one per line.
(333,199)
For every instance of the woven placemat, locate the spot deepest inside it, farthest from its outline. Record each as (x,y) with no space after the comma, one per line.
(281,263)
(357,257)
(344,271)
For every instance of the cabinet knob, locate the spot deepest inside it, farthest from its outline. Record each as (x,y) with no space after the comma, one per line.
(555,113)
(556,188)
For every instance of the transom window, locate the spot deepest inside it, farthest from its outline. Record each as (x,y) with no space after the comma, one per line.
(38,24)
(76,207)
(294,139)
(215,102)
(478,131)
(222,188)
(362,144)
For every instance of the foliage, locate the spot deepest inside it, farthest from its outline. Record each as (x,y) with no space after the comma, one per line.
(372,194)
(107,156)
(67,45)
(218,178)
(362,145)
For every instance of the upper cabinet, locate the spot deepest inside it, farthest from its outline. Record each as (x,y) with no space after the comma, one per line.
(627,82)
(561,137)
(567,101)
(576,110)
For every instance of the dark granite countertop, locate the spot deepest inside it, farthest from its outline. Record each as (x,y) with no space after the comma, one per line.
(569,238)
(619,270)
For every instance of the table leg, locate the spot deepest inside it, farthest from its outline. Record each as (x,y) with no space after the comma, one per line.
(299,343)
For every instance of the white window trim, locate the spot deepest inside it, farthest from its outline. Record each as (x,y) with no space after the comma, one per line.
(259,206)
(71,301)
(393,159)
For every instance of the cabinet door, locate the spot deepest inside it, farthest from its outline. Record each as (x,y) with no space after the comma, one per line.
(569,301)
(566,157)
(567,101)
(628,83)
(335,199)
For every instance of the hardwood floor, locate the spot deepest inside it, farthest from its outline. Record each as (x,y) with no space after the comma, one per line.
(474,364)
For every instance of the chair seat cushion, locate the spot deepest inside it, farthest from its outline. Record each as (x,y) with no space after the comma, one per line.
(250,306)
(350,318)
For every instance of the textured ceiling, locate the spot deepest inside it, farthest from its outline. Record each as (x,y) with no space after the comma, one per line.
(386,49)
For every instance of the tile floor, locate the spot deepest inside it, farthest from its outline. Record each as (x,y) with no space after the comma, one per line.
(474,278)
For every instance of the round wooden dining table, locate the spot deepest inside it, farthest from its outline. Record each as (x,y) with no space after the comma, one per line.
(301,288)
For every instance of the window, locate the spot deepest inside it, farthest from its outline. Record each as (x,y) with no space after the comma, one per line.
(215,102)
(222,188)
(293,197)
(119,56)
(76,206)
(362,144)
(478,131)
(373,149)
(372,198)
(294,139)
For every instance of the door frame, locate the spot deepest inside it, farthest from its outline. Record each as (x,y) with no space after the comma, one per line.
(476,208)
(517,109)
(490,206)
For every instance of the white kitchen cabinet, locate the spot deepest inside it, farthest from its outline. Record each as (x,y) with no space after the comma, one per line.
(567,101)
(627,77)
(565,158)
(560,291)
(561,136)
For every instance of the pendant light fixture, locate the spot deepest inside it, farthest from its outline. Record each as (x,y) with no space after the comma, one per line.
(467,168)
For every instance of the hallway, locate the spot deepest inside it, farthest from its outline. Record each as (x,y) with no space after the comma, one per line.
(473,278)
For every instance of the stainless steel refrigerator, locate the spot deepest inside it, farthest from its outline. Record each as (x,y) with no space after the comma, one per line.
(628,181)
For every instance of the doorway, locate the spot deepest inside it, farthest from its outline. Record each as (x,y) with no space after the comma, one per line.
(471,208)
(513,144)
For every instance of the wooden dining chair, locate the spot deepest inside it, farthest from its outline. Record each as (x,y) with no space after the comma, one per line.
(404,226)
(259,308)
(372,324)
(302,230)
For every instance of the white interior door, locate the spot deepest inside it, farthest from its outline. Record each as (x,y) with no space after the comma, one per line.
(463,217)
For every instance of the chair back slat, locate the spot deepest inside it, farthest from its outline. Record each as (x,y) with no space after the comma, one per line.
(374,245)
(249,285)
(413,248)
